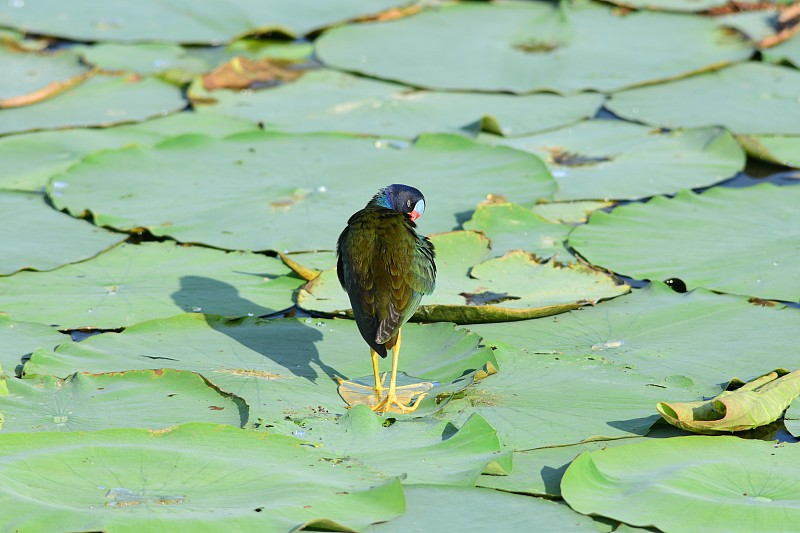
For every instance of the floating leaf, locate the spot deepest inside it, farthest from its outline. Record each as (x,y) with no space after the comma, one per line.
(440,508)
(20,339)
(532,46)
(611,159)
(671,5)
(788,51)
(182,21)
(792,418)
(420,450)
(569,212)
(699,338)
(37,237)
(749,98)
(276,196)
(689,484)
(780,149)
(468,290)
(131,283)
(31,159)
(513,227)
(171,61)
(30,77)
(283,367)
(758,403)
(126,479)
(99,101)
(328,100)
(756,256)
(137,398)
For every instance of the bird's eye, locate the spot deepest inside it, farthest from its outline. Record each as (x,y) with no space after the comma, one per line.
(408,203)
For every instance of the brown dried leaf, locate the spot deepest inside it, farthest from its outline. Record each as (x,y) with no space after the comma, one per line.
(241,73)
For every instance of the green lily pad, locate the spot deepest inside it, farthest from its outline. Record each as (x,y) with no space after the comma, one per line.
(167,59)
(421,450)
(275,195)
(611,159)
(19,339)
(184,478)
(569,212)
(788,51)
(101,100)
(531,46)
(28,73)
(780,149)
(538,472)
(755,404)
(182,21)
(132,283)
(513,227)
(282,367)
(468,290)
(750,98)
(792,418)
(671,5)
(138,398)
(36,237)
(689,484)
(546,400)
(441,508)
(756,256)
(701,337)
(327,100)
(31,159)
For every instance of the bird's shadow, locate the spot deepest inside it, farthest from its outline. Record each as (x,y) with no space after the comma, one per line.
(291,344)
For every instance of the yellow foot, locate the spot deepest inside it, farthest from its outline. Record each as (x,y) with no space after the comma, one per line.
(355,393)
(392,404)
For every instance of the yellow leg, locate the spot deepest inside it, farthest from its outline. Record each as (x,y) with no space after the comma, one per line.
(378,378)
(391,402)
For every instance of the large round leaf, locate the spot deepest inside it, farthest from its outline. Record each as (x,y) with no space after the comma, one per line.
(199,477)
(137,398)
(438,508)
(327,100)
(469,289)
(671,5)
(99,101)
(422,450)
(705,337)
(530,46)
(691,237)
(611,159)
(546,400)
(28,77)
(283,367)
(181,20)
(750,98)
(690,484)
(36,237)
(31,159)
(20,339)
(131,283)
(289,192)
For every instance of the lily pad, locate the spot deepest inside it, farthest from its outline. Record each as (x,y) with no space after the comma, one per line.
(689,484)
(441,508)
(19,339)
(755,404)
(470,290)
(756,256)
(282,367)
(611,159)
(29,77)
(531,46)
(327,100)
(101,100)
(569,212)
(136,479)
(546,400)
(289,192)
(792,418)
(36,237)
(671,5)
(787,51)
(151,399)
(422,450)
(31,159)
(513,227)
(699,337)
(131,283)
(750,98)
(170,60)
(182,21)
(780,149)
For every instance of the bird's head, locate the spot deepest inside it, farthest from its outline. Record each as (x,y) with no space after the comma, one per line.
(401,198)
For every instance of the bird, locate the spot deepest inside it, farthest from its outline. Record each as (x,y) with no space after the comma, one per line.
(386,267)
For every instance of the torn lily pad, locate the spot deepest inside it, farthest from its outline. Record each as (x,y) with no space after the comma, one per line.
(470,289)
(30,77)
(752,405)
(20,339)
